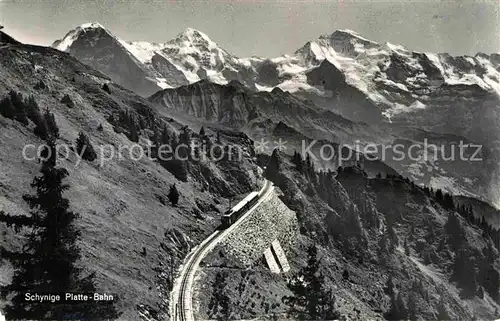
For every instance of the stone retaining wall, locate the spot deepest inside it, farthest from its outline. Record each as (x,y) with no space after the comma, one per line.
(270,221)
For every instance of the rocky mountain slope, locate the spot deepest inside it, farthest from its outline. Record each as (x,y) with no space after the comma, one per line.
(404,96)
(389,250)
(278,115)
(132,237)
(385,237)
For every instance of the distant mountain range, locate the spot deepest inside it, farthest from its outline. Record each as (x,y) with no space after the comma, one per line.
(395,79)
(384,92)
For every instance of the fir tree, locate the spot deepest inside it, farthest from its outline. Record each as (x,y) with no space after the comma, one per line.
(133,130)
(155,143)
(21,114)
(398,309)
(464,272)
(32,108)
(185,141)
(309,291)
(220,303)
(106,88)
(489,276)
(47,262)
(455,231)
(165,137)
(51,123)
(314,283)
(7,108)
(46,126)
(448,202)
(85,148)
(41,129)
(68,101)
(389,286)
(406,247)
(173,195)
(297,161)
(439,196)
(382,244)
(412,306)
(274,165)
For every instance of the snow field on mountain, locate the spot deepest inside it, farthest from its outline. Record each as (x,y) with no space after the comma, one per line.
(361,60)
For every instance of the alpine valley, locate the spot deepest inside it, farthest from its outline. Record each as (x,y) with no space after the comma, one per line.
(340,88)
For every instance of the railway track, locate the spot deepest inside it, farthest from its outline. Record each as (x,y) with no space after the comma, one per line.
(182,304)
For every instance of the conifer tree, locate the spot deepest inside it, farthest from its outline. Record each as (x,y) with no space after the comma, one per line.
(165,137)
(389,287)
(412,306)
(406,247)
(133,130)
(309,291)
(51,123)
(313,280)
(47,261)
(455,231)
(41,129)
(46,126)
(50,120)
(7,108)
(68,101)
(185,140)
(155,143)
(274,165)
(20,107)
(173,195)
(106,88)
(439,196)
(489,276)
(464,272)
(448,202)
(398,309)
(220,303)
(84,146)
(297,161)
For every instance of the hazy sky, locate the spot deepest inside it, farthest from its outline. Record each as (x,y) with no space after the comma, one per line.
(267,28)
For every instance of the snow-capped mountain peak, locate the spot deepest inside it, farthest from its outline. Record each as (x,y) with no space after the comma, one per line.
(192,41)
(348,34)
(92,25)
(65,43)
(385,73)
(194,37)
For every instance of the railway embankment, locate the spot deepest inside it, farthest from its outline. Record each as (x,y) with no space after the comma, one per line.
(271,221)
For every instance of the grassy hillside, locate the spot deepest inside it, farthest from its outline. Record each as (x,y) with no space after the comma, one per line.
(132,237)
(388,250)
